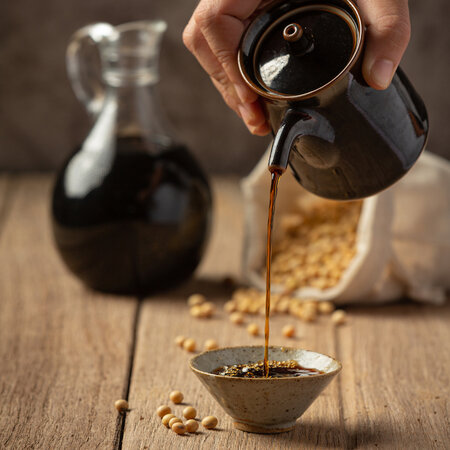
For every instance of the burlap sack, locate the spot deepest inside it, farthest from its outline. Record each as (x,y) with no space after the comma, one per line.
(403,236)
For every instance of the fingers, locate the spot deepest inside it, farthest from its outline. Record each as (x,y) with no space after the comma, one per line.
(252,113)
(198,45)
(221,23)
(213,35)
(388,33)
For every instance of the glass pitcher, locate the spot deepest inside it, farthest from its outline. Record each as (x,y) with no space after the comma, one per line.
(131,207)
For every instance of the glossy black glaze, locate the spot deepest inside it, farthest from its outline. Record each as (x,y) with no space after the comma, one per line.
(136,224)
(357,144)
(344,140)
(324,49)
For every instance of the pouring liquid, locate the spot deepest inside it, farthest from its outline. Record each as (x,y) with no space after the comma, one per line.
(276,173)
(266,368)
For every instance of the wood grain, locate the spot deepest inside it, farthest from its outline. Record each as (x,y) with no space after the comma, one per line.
(64,350)
(68,353)
(5,184)
(396,389)
(224,251)
(161,367)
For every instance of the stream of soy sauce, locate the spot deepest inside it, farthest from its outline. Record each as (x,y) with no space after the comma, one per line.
(276,173)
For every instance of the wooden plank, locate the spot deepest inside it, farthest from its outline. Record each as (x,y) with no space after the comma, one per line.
(396,382)
(161,367)
(64,350)
(224,253)
(4,197)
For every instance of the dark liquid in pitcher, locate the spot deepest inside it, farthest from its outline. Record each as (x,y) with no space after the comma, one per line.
(134,222)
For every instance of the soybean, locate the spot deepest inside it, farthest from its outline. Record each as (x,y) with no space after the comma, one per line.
(191,426)
(237,318)
(163,410)
(288,331)
(176,397)
(253,329)
(166,419)
(179,340)
(196,299)
(339,317)
(121,405)
(189,412)
(211,344)
(174,420)
(210,422)
(190,345)
(178,428)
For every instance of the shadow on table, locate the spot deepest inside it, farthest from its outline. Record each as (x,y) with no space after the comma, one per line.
(403,308)
(329,435)
(211,288)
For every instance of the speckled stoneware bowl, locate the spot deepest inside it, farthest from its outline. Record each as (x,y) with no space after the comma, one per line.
(264,405)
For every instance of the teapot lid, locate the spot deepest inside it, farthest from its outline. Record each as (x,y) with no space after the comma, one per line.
(298,51)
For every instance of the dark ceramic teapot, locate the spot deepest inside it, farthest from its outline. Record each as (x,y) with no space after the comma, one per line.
(342,139)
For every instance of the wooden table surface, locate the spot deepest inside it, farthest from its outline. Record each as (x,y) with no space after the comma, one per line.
(68,353)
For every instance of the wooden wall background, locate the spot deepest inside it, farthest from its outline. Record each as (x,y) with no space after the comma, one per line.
(41,121)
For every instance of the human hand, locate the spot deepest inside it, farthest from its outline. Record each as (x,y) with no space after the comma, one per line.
(213,35)
(387,35)
(215,29)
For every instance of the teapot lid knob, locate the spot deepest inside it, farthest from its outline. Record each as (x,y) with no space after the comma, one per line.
(292,32)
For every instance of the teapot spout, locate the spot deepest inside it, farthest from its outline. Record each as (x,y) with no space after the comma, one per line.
(288,132)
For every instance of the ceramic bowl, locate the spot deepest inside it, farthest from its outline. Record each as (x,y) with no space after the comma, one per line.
(264,405)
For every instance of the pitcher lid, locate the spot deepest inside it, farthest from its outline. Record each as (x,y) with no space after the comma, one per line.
(296,51)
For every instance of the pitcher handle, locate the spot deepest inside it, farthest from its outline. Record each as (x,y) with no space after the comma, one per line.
(88,87)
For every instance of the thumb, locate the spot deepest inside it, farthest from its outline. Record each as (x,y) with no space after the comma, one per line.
(388,33)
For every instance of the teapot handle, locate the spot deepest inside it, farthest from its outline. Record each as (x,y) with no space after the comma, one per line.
(87,85)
